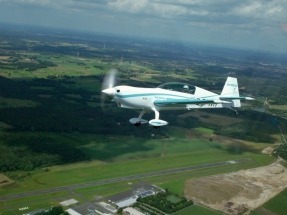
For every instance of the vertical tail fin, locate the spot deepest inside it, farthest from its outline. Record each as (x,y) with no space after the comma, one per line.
(230,89)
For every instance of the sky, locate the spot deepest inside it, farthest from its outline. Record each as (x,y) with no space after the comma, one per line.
(252,24)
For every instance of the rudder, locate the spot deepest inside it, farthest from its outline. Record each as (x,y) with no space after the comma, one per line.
(230,89)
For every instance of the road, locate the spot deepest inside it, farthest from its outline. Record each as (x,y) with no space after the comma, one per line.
(119,179)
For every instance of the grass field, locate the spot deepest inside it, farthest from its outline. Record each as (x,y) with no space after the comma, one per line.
(195,209)
(73,66)
(65,66)
(174,182)
(133,156)
(176,155)
(276,205)
(173,198)
(44,201)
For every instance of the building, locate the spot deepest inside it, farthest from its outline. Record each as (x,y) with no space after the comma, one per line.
(128,198)
(111,204)
(131,211)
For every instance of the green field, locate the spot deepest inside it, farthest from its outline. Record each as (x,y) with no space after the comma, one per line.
(43,201)
(199,151)
(196,209)
(133,156)
(276,205)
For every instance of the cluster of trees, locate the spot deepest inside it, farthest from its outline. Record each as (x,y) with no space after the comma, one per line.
(32,66)
(64,108)
(250,135)
(161,202)
(53,211)
(255,126)
(27,152)
(15,63)
(282,151)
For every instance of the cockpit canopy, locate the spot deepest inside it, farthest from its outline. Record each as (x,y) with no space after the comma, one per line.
(178,86)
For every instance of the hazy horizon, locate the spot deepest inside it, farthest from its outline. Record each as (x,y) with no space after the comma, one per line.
(257,25)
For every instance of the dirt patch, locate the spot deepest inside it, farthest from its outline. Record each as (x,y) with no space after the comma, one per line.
(238,192)
(4,180)
(4,57)
(268,150)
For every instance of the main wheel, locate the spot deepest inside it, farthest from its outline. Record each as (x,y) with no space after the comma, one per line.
(137,124)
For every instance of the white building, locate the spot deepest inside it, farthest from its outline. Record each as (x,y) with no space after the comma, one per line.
(132,211)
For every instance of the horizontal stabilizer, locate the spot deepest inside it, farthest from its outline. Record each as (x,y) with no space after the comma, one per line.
(236,97)
(218,101)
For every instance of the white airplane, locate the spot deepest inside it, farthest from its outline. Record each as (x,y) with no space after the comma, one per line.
(171,96)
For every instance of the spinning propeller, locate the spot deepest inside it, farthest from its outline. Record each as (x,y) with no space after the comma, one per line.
(109,82)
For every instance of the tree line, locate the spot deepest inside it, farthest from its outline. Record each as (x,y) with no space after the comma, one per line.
(53,211)
(161,202)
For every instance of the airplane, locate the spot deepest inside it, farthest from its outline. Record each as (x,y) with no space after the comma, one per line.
(170,96)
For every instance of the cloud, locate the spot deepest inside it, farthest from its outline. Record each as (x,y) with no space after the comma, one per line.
(168,18)
(29,2)
(55,4)
(272,9)
(231,11)
(156,8)
(129,5)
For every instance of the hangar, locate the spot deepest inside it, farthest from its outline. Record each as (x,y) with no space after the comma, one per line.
(111,204)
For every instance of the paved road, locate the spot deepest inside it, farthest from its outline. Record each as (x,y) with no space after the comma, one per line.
(119,179)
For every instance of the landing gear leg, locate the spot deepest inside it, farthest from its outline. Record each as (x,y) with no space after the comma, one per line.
(156,113)
(156,122)
(138,121)
(156,116)
(141,114)
(137,124)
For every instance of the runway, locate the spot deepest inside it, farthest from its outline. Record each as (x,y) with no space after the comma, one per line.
(120,179)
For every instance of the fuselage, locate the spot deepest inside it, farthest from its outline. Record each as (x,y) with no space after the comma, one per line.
(144,98)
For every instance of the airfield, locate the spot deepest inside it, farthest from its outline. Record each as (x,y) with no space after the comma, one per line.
(50,97)
(239,192)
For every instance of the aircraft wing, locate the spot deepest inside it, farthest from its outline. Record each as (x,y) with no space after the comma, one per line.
(171,102)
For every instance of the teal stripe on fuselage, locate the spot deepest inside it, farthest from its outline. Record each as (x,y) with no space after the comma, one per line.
(170,102)
(147,94)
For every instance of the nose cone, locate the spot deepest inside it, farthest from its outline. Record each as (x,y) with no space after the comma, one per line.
(109,91)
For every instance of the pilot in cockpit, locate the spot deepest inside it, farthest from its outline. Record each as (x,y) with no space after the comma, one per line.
(186,89)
